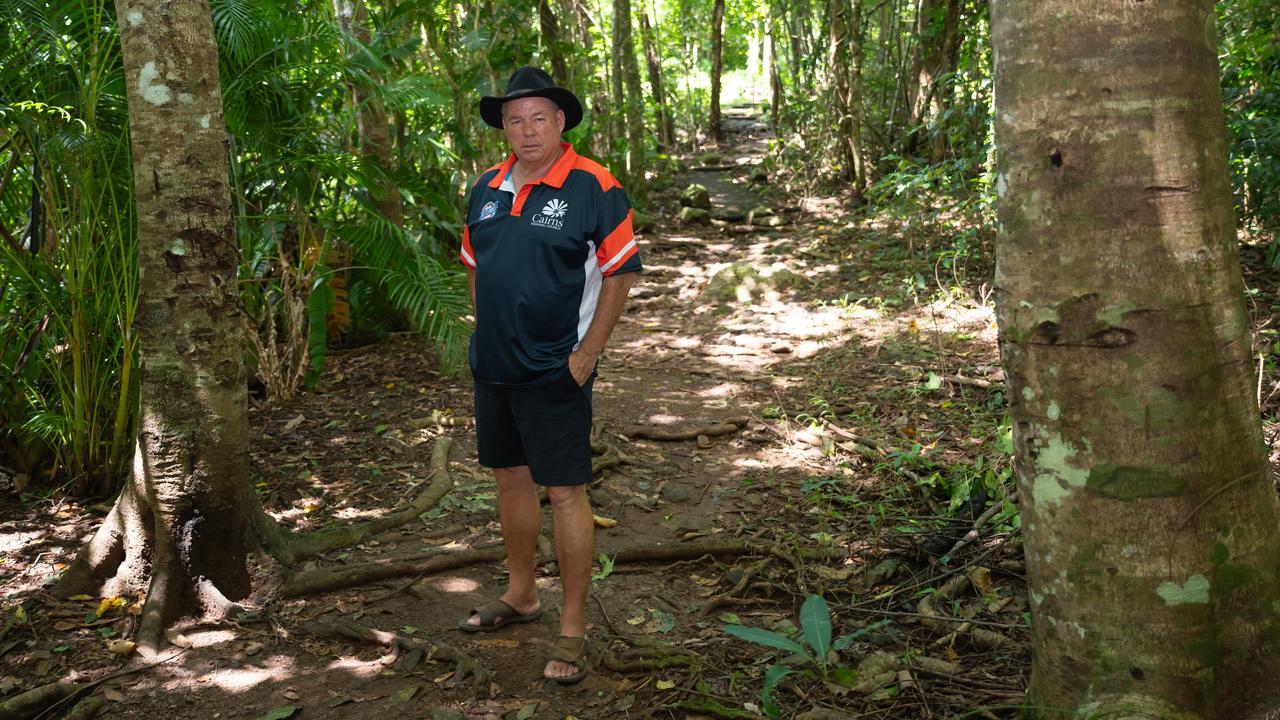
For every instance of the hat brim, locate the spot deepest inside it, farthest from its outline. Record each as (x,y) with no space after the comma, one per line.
(491,106)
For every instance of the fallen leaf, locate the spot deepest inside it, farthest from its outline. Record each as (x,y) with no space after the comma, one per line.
(121,647)
(527,711)
(279,713)
(64,625)
(604,522)
(290,694)
(108,604)
(665,684)
(113,695)
(82,597)
(406,694)
(293,425)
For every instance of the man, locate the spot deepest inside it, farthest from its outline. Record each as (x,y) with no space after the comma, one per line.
(550,259)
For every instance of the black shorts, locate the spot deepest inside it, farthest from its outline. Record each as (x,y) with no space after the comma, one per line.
(547,427)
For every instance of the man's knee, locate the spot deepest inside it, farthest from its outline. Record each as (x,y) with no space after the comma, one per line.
(567,497)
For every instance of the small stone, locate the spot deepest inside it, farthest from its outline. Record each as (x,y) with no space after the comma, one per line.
(781,348)
(674,493)
(696,196)
(704,442)
(253,648)
(694,216)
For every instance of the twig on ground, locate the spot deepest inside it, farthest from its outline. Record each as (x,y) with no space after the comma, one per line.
(977,525)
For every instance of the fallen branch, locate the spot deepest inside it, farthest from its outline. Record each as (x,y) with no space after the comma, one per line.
(464,665)
(724,427)
(977,525)
(327,579)
(290,549)
(972,382)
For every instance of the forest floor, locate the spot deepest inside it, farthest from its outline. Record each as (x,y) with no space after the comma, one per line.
(843,414)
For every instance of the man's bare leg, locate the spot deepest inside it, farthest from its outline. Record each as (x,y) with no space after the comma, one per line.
(520,515)
(575,538)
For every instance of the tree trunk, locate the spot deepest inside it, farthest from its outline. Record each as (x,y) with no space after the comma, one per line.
(717,66)
(185,516)
(666,126)
(374,131)
(551,38)
(1147,499)
(775,75)
(839,62)
(937,29)
(855,100)
(624,40)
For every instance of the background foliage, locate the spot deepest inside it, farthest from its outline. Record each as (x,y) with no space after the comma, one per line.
(354,139)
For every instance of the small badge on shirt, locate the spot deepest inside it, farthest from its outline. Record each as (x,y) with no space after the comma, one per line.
(489,210)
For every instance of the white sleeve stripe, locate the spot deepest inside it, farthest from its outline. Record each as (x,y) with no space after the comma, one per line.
(618,256)
(467,256)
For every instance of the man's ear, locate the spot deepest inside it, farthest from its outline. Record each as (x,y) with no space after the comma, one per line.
(560,119)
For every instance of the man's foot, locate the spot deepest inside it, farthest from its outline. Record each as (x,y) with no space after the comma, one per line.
(568,663)
(497,614)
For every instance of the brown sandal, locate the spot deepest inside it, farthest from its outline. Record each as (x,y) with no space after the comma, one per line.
(495,615)
(571,650)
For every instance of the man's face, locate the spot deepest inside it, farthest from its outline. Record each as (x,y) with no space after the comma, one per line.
(533,126)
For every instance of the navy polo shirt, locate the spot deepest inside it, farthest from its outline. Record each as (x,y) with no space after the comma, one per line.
(540,257)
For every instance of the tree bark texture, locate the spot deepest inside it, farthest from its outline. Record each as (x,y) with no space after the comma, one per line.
(183,517)
(550,28)
(937,39)
(653,61)
(855,99)
(373,128)
(1147,499)
(717,67)
(624,40)
(839,90)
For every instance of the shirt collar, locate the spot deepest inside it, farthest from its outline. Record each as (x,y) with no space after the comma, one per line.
(555,176)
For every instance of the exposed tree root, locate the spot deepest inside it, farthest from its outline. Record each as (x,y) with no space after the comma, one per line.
(86,709)
(465,667)
(347,576)
(290,549)
(34,701)
(723,427)
(607,455)
(647,658)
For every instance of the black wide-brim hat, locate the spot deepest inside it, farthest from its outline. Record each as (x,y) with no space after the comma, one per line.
(532,82)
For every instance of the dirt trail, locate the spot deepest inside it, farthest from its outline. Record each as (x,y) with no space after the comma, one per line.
(782,347)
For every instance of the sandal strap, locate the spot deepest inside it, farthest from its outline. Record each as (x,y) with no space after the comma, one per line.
(568,649)
(493,610)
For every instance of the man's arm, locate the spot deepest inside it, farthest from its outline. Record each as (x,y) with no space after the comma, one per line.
(613,298)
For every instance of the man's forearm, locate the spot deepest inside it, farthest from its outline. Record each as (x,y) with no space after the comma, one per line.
(613,298)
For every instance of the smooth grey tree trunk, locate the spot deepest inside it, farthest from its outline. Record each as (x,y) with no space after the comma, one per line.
(1148,503)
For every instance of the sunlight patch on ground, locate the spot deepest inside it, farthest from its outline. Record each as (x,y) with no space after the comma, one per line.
(279,668)
(358,668)
(723,390)
(209,638)
(16,541)
(455,584)
(664,419)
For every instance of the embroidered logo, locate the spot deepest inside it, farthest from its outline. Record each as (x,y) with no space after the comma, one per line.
(552,215)
(489,210)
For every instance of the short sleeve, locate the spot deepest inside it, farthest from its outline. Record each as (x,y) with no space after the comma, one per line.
(617,252)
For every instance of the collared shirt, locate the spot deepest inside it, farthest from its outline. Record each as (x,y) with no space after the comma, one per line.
(540,257)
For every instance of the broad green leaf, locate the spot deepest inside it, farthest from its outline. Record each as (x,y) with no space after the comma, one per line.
(815,620)
(772,676)
(760,636)
(280,713)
